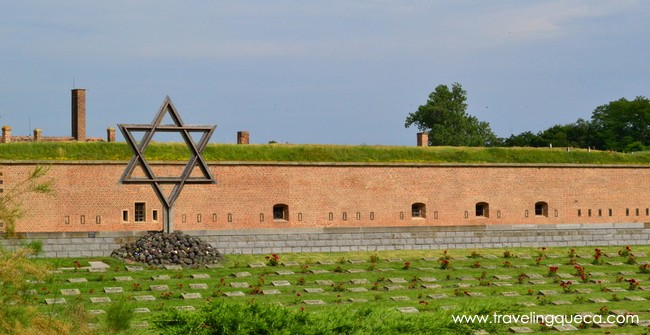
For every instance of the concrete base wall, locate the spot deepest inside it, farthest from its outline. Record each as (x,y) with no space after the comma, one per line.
(264,241)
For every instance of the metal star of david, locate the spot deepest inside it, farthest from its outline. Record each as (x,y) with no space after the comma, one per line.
(196,160)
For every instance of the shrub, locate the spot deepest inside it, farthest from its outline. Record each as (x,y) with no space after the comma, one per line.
(119,315)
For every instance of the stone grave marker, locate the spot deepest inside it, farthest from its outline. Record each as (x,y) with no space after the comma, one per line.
(290,264)
(639,254)
(626,273)
(173,267)
(132,268)
(644,288)
(597,281)
(357,300)
(357,289)
(547,292)
(144,298)
(314,290)
(214,266)
(313,302)
(97,300)
(461,285)
(523,256)
(605,325)
(520,330)
(400,298)
(117,289)
(122,278)
(200,276)
(428,279)
(597,274)
(270,292)
(96,311)
(429,259)
(256,265)
(325,262)
(536,282)
(161,277)
(527,304)
(408,310)
(501,284)
(438,296)
(385,270)
(141,310)
(598,300)
(242,284)
(199,286)
(187,296)
(356,270)
(319,271)
(284,273)
(466,278)
(502,277)
(534,276)
(325,282)
(234,294)
(158,287)
(186,308)
(397,280)
(459,258)
(362,281)
(55,301)
(394,260)
(356,261)
(77,280)
(615,263)
(96,270)
(475,294)
(615,289)
(561,302)
(241,274)
(72,291)
(583,291)
(281,283)
(564,275)
(393,287)
(426,269)
(510,294)
(430,286)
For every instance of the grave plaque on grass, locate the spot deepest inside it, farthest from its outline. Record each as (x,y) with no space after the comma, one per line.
(356,270)
(319,272)
(385,270)
(561,302)
(242,284)
(97,300)
(234,294)
(598,300)
(644,288)
(357,289)
(430,286)
(526,304)
(394,260)
(134,268)
(191,296)
(400,298)
(325,282)
(640,254)
(290,264)
(73,291)
(438,296)
(200,286)
(158,287)
(536,282)
(534,276)
(583,291)
(314,290)
(161,277)
(465,278)
(393,287)
(501,284)
(270,292)
(113,290)
(565,328)
(96,270)
(241,274)
(186,308)
(565,275)
(510,294)
(55,301)
(77,280)
(356,261)
(597,274)
(214,266)
(313,302)
(397,280)
(547,292)
(520,330)
(428,279)
(502,277)
(605,325)
(122,278)
(614,263)
(141,310)
(615,289)
(144,298)
(256,265)
(362,281)
(96,311)
(475,294)
(173,267)
(357,300)
(284,273)
(325,262)
(200,276)
(461,285)
(408,309)
(281,283)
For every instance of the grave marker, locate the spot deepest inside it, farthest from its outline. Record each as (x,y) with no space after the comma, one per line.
(97,300)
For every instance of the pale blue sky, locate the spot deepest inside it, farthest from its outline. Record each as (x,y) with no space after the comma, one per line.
(340,72)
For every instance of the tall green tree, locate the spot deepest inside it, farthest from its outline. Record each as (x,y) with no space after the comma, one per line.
(623,125)
(445,118)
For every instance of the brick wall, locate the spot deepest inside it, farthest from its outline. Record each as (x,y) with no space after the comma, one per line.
(89,198)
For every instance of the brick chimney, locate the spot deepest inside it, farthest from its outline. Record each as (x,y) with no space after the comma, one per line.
(110,135)
(6,134)
(79,114)
(423,139)
(242,137)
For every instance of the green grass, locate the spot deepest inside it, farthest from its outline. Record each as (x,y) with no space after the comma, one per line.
(317,153)
(460,299)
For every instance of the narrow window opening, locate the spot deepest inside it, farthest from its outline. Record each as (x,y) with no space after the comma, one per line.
(214,217)
(140,212)
(418,210)
(610,212)
(636,212)
(331,216)
(229,217)
(83,219)
(154,215)
(98,219)
(372,215)
(358,215)
(483,209)
(541,208)
(579,212)
(281,212)
(627,212)
(600,212)
(345,216)
(589,212)
(199,218)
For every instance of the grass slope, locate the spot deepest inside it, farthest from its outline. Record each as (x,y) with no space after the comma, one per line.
(317,153)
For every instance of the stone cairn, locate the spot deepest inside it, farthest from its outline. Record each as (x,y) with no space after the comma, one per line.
(158,248)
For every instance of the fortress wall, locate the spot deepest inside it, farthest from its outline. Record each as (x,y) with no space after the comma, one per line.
(88,196)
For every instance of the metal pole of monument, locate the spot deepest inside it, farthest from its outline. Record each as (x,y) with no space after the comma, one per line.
(168,220)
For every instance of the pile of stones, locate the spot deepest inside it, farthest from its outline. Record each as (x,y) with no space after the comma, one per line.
(158,249)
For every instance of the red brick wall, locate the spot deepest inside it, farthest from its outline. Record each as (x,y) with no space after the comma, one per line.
(248,192)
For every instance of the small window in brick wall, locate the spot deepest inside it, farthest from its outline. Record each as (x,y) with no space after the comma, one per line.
(483,209)
(418,210)
(280,212)
(125,216)
(154,215)
(140,212)
(541,208)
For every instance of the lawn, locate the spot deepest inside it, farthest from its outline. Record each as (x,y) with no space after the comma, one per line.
(434,284)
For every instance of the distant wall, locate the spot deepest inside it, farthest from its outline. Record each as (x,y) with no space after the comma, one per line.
(265,241)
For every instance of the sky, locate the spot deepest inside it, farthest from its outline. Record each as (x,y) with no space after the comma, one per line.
(328,72)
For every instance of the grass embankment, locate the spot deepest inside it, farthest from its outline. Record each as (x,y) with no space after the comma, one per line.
(362,291)
(317,153)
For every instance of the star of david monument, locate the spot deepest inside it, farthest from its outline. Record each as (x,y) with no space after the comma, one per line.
(161,184)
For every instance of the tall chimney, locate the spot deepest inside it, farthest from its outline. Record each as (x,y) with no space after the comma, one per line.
(79,114)
(243,137)
(423,139)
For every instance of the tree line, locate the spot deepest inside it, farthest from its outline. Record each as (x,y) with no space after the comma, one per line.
(622,125)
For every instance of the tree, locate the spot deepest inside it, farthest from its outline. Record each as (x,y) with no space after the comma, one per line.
(623,125)
(445,118)
(11,208)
